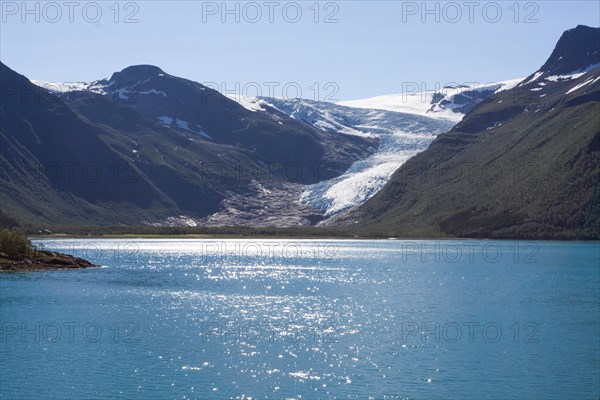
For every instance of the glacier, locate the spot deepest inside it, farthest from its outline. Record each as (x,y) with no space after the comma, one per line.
(405,125)
(401,136)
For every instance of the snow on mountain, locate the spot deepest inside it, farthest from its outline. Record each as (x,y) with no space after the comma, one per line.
(542,80)
(405,125)
(576,54)
(101,87)
(97,87)
(104,87)
(580,85)
(401,136)
(322,115)
(539,75)
(249,103)
(450,103)
(169,121)
(417,104)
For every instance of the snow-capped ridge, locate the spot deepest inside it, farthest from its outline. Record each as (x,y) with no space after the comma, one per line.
(451,102)
(251,103)
(96,87)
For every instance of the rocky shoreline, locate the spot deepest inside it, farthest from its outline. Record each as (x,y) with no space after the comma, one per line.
(43,260)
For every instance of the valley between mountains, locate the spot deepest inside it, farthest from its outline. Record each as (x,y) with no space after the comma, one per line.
(516,158)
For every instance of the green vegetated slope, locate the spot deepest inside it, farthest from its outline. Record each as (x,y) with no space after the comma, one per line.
(523,164)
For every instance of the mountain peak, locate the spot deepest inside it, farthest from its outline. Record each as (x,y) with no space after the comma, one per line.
(576,50)
(581,28)
(136,73)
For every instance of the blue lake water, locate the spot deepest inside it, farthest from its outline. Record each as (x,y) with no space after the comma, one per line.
(202,319)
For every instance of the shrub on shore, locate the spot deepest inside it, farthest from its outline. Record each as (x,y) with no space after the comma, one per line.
(15,243)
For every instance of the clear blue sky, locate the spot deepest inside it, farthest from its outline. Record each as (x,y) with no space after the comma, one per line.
(371,50)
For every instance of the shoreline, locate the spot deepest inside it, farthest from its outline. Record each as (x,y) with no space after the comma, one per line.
(304,238)
(43,260)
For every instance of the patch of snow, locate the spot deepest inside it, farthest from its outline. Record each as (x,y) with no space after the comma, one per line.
(534,78)
(579,86)
(123,94)
(183,125)
(560,78)
(572,75)
(154,91)
(507,85)
(165,120)
(253,104)
(496,125)
(186,125)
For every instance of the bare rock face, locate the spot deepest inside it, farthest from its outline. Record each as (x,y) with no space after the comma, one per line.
(44,260)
